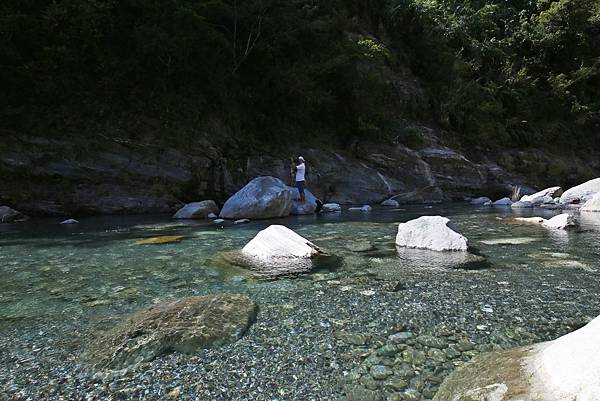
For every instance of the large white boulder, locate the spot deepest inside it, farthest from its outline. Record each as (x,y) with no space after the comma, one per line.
(544,196)
(567,368)
(431,232)
(8,215)
(279,242)
(581,193)
(561,222)
(262,198)
(197,210)
(592,204)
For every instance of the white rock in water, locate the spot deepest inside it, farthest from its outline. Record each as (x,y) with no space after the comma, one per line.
(390,203)
(242,221)
(542,196)
(197,210)
(536,220)
(212,216)
(592,205)
(560,222)
(481,201)
(331,207)
(69,221)
(567,368)
(430,232)
(276,242)
(521,205)
(503,202)
(581,193)
(218,221)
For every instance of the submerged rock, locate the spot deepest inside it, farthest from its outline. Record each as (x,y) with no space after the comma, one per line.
(241,221)
(70,221)
(8,215)
(592,204)
(567,368)
(165,239)
(331,207)
(262,198)
(436,233)
(197,210)
(185,325)
(581,193)
(364,209)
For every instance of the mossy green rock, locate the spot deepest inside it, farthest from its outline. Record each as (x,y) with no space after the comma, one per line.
(184,325)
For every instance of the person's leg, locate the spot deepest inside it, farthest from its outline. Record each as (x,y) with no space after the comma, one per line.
(300,185)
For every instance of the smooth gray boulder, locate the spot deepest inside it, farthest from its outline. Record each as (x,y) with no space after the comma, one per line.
(522,205)
(308,207)
(567,368)
(503,202)
(364,209)
(8,215)
(262,198)
(197,210)
(331,207)
(581,193)
(185,325)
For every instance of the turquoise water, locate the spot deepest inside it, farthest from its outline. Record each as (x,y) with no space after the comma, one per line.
(67,281)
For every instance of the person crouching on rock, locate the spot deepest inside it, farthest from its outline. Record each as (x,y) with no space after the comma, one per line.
(299,169)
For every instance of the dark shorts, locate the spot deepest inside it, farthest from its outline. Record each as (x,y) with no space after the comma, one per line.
(300,186)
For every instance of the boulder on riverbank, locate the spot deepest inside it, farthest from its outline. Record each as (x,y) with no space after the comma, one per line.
(581,193)
(184,325)
(262,198)
(560,222)
(197,210)
(436,233)
(522,205)
(545,196)
(592,204)
(308,207)
(503,202)
(567,368)
(9,215)
(390,203)
(481,201)
(331,207)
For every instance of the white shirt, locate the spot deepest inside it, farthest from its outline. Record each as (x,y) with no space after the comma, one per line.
(300,170)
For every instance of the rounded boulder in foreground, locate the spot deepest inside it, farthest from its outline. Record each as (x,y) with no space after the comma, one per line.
(183,325)
(436,233)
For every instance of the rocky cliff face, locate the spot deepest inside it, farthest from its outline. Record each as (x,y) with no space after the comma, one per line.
(43,177)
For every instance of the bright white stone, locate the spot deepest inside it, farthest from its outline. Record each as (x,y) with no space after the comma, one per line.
(581,192)
(534,220)
(592,205)
(212,216)
(560,222)
(276,242)
(242,221)
(70,221)
(430,232)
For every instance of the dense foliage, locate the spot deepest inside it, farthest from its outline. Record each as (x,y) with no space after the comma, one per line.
(496,73)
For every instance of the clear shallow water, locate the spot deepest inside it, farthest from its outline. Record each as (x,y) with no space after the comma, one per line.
(62,284)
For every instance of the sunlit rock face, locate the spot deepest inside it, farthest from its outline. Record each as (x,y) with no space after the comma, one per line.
(567,368)
(581,193)
(430,232)
(592,204)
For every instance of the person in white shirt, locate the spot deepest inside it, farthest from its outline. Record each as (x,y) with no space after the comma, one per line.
(299,170)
